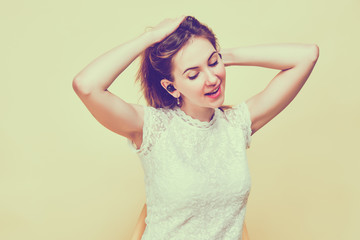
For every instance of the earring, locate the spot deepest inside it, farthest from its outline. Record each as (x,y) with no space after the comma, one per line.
(178,101)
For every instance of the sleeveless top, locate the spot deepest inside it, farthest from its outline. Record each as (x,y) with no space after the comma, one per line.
(196,174)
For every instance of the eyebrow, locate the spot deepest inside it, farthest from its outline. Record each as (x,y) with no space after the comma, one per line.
(198,67)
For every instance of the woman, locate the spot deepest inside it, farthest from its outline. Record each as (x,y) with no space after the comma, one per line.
(191,147)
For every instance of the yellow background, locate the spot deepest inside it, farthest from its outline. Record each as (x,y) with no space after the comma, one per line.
(65,176)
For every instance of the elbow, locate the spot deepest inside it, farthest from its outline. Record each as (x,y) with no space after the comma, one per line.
(76,86)
(308,55)
(79,87)
(314,52)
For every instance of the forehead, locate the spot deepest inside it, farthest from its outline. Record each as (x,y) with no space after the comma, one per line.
(195,52)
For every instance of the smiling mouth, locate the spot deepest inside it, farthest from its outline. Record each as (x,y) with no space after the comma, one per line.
(213,92)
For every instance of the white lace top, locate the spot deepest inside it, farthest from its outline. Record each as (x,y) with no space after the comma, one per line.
(197,179)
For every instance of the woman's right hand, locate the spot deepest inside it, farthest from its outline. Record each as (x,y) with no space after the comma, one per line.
(165,28)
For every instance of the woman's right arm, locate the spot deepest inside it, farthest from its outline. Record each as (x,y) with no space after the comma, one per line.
(92,83)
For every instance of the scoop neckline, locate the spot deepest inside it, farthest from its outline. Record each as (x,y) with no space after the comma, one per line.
(196,122)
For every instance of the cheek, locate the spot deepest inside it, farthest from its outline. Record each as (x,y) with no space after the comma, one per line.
(190,87)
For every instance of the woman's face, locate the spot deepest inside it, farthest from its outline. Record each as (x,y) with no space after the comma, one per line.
(199,75)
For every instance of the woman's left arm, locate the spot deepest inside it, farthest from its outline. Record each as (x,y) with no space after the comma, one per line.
(296,61)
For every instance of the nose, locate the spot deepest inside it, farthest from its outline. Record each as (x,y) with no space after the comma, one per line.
(211,78)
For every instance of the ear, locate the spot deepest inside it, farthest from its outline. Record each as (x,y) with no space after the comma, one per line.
(165,83)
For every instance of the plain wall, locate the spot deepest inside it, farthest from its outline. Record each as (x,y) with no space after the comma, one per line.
(65,176)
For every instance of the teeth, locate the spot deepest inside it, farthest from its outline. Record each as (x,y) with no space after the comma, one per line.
(214,90)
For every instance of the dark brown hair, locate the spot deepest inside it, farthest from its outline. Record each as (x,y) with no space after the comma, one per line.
(156,61)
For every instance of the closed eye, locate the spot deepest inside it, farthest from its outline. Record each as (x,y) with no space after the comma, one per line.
(193,77)
(214,64)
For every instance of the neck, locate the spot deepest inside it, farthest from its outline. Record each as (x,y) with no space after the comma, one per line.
(201,113)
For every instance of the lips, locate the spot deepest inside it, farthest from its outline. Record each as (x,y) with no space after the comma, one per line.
(215,90)
(215,94)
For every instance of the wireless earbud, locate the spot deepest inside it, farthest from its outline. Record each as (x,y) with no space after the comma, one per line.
(170,88)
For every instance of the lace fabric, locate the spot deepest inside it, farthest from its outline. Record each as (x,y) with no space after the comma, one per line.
(240,115)
(197,179)
(195,122)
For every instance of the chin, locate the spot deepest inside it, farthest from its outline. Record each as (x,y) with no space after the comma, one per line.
(218,103)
